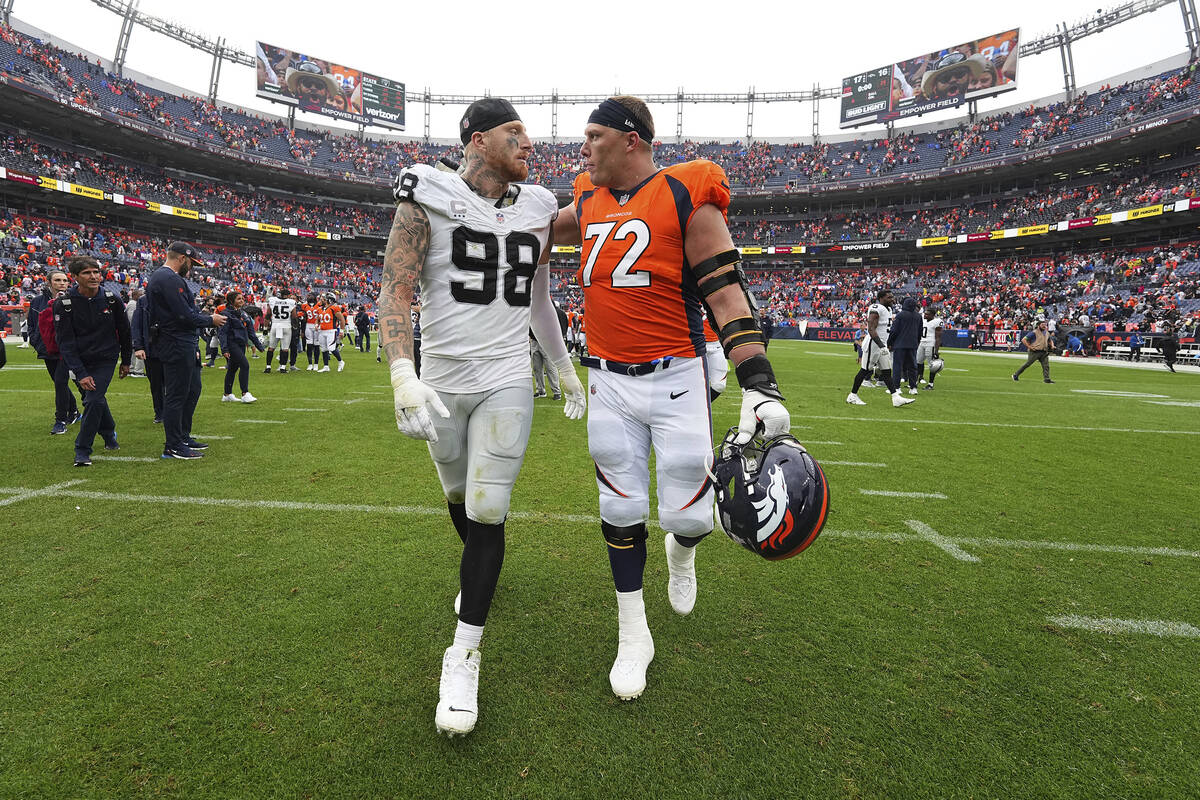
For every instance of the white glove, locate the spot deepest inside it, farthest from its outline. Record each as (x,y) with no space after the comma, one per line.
(576,403)
(760,410)
(411,395)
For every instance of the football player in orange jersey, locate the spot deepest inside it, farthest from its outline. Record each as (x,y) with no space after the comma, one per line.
(311,318)
(655,246)
(330,320)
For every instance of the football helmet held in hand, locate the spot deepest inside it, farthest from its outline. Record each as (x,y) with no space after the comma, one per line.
(936,366)
(772,497)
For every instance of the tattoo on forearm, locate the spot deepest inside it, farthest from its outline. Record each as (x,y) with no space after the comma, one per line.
(403,259)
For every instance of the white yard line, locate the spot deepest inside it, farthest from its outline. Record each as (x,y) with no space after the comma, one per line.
(909,421)
(28,494)
(942,542)
(1109,625)
(263,421)
(17,494)
(874,464)
(928,495)
(305,409)
(146,459)
(202,436)
(838,444)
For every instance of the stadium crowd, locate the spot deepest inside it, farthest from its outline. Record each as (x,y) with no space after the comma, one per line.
(1125,288)
(750,166)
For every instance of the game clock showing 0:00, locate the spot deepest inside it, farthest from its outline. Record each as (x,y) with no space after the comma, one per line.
(866,94)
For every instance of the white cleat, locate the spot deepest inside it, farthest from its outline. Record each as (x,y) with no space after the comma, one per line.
(900,400)
(457,603)
(341,365)
(912,390)
(854,400)
(635,651)
(458,692)
(228,398)
(681,569)
(312,368)
(324,368)
(249,398)
(283,370)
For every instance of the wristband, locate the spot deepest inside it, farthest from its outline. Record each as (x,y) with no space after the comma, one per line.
(756,373)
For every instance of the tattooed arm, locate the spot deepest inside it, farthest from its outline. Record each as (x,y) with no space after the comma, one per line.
(407,247)
(403,260)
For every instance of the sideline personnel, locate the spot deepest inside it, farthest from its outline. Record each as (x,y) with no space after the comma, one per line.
(174,324)
(92,331)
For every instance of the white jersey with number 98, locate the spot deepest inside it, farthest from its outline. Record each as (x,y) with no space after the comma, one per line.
(477,281)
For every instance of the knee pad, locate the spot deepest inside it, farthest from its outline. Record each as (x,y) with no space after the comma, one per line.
(488,505)
(692,523)
(683,465)
(623,537)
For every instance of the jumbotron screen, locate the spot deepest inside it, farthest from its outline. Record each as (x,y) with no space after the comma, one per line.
(942,79)
(323,87)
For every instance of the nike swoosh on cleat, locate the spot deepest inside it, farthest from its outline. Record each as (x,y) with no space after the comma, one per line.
(675,396)
(452,708)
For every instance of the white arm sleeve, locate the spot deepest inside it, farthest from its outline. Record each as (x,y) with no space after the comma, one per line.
(543,318)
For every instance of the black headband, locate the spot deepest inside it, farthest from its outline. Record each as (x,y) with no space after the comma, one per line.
(485,114)
(612,114)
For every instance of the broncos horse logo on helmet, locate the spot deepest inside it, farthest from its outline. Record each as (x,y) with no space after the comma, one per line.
(772,496)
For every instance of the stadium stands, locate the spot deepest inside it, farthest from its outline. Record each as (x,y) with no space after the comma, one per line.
(1124,286)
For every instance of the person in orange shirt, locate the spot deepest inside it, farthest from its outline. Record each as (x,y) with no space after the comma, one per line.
(330,319)
(656,245)
(311,319)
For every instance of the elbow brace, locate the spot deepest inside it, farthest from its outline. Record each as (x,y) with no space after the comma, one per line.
(743,330)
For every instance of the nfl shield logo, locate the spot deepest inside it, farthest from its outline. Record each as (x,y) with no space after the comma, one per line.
(623,199)
(499,218)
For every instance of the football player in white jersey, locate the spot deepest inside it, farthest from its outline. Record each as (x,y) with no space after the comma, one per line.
(874,350)
(930,346)
(280,309)
(476,242)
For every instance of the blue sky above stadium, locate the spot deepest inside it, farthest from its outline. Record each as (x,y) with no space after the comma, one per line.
(537,47)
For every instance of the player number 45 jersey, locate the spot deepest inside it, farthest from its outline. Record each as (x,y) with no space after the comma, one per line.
(476,284)
(281,310)
(639,292)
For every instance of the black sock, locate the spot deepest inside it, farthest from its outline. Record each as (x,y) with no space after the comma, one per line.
(626,555)
(458,515)
(858,380)
(479,571)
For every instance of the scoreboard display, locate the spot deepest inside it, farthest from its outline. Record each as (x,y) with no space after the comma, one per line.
(866,95)
(321,86)
(945,78)
(383,101)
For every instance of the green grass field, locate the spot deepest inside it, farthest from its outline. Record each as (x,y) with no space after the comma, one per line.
(269,621)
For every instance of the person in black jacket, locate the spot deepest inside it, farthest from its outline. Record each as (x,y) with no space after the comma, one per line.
(363,323)
(237,331)
(174,323)
(1169,345)
(66,411)
(902,340)
(92,331)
